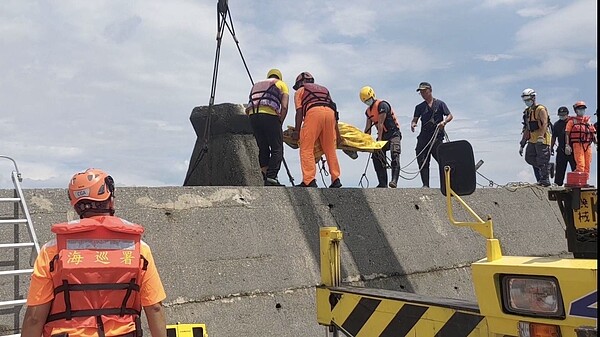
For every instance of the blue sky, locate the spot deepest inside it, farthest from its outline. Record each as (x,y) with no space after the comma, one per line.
(111,84)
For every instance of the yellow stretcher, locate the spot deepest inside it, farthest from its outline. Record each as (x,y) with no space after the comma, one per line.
(354,140)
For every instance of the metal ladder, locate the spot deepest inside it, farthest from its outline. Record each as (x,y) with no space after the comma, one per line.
(12,268)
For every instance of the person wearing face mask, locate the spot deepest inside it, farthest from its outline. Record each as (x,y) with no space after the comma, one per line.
(581,134)
(558,135)
(381,115)
(536,133)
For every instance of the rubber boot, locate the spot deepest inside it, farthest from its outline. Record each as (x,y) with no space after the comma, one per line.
(395,175)
(382,178)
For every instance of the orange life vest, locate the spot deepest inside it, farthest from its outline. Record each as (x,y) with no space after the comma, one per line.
(390,122)
(582,131)
(315,95)
(96,274)
(266,93)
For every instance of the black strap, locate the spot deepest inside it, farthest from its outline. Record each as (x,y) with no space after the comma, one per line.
(145,266)
(67,298)
(132,286)
(138,327)
(55,258)
(95,286)
(92,312)
(100,325)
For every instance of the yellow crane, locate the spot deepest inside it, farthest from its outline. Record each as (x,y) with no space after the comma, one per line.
(519,296)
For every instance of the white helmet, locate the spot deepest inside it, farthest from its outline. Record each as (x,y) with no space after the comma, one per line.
(528,92)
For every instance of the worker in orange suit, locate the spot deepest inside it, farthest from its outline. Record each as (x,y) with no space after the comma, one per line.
(97,275)
(580,134)
(316,119)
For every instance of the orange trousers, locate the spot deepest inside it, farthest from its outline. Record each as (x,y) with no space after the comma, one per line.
(319,123)
(582,152)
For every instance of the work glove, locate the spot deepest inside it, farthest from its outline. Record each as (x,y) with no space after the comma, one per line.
(521,151)
(552,152)
(568,150)
(523,142)
(540,140)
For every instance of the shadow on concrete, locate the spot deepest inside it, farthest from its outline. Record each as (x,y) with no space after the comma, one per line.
(364,237)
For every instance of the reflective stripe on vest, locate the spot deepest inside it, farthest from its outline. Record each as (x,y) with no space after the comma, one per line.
(315,95)
(372,113)
(266,93)
(96,274)
(581,132)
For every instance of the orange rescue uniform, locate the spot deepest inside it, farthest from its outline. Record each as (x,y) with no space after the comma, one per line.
(581,135)
(319,123)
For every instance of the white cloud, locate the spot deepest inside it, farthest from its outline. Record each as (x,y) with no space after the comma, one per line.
(493,57)
(107,83)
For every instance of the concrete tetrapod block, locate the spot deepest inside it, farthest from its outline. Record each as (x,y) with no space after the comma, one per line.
(230,157)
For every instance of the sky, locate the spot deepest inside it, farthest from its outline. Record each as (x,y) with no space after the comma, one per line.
(112,84)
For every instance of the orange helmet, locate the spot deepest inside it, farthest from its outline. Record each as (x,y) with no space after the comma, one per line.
(304,76)
(91,185)
(579,104)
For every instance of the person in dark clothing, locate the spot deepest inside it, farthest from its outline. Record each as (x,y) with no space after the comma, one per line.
(267,108)
(381,114)
(558,134)
(434,115)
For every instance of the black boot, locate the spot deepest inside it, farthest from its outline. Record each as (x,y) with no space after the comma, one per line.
(336,184)
(382,178)
(395,175)
(313,183)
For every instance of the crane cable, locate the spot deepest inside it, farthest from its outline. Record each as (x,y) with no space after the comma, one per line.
(223,14)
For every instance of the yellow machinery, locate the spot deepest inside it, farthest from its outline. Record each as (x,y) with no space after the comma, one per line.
(516,295)
(186,330)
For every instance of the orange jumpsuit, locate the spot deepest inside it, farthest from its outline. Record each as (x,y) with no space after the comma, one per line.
(581,136)
(319,123)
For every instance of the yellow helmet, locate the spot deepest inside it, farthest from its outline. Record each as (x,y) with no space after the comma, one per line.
(275,72)
(366,93)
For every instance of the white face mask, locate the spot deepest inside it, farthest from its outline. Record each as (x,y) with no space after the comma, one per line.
(528,101)
(580,112)
(563,118)
(369,101)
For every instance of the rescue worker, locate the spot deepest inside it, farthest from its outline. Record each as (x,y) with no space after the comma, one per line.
(536,132)
(267,108)
(558,134)
(97,275)
(581,134)
(381,114)
(316,118)
(434,115)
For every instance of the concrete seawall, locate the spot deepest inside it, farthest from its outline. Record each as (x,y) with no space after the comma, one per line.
(245,260)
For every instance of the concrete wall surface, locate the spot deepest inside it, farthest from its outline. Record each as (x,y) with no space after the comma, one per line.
(245,260)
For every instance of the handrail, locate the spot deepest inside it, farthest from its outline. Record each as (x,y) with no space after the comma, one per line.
(15,164)
(483,227)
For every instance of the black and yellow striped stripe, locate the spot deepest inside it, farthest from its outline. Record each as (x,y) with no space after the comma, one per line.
(361,312)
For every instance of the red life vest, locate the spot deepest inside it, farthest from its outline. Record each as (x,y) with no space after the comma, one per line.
(390,121)
(582,131)
(265,93)
(315,95)
(96,274)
